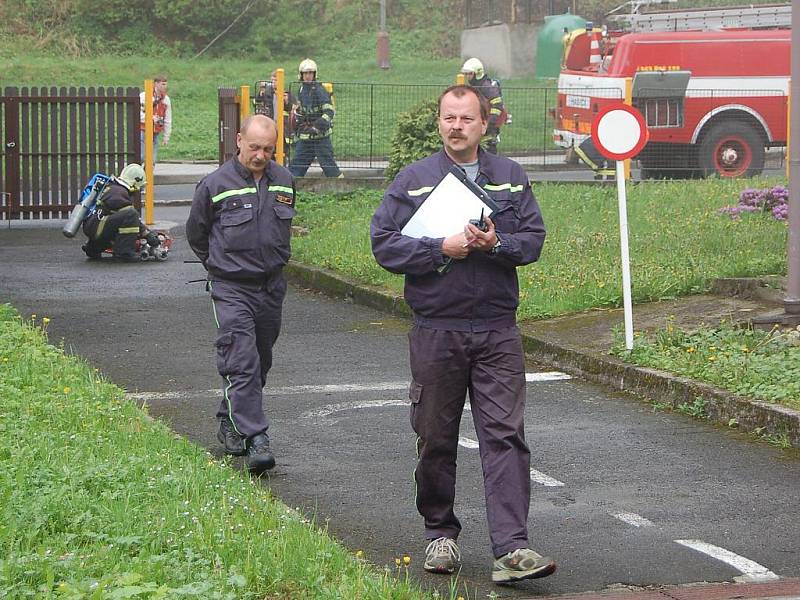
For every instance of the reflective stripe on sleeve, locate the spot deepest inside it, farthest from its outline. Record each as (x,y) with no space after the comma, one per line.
(229,193)
(420,191)
(503,186)
(280,188)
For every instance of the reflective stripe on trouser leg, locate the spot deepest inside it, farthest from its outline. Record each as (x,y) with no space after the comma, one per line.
(439,368)
(227,385)
(497,399)
(249,321)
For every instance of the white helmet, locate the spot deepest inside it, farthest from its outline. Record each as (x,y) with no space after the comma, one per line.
(132,177)
(473,65)
(306,66)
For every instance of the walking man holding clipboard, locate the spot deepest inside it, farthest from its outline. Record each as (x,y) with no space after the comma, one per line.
(457,224)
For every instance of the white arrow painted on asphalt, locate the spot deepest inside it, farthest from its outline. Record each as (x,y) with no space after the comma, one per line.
(751,570)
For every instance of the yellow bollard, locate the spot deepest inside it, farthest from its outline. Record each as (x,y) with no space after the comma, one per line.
(280,150)
(244,103)
(629,102)
(148,152)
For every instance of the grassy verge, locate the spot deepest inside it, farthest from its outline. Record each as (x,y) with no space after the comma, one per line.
(757,364)
(678,243)
(99,501)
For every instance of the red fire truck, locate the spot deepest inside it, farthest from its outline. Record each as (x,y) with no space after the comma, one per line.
(711,84)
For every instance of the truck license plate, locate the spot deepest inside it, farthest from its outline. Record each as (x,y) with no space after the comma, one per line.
(577,101)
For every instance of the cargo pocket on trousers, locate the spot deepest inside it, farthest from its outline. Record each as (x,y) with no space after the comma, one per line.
(415,392)
(223,345)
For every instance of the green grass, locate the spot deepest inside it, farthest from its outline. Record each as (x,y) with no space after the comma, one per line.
(99,501)
(678,243)
(756,364)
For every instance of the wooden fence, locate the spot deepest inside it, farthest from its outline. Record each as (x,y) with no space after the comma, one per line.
(55,139)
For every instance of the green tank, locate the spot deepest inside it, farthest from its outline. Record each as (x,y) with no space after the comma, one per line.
(550,45)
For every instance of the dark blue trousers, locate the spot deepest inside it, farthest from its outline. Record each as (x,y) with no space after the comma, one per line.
(248,318)
(306,150)
(490,366)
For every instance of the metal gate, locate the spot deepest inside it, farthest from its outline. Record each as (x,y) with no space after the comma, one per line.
(55,139)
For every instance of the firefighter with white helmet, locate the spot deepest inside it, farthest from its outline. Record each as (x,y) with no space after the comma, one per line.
(313,124)
(489,88)
(116,222)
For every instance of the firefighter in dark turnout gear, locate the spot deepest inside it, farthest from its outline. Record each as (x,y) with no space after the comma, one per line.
(239,227)
(115,223)
(465,339)
(314,121)
(490,89)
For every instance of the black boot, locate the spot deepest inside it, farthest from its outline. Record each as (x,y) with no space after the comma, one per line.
(230,438)
(259,456)
(90,252)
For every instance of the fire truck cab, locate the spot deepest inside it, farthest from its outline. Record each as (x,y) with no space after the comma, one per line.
(713,100)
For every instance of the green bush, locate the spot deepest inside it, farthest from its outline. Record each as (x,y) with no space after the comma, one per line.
(416,136)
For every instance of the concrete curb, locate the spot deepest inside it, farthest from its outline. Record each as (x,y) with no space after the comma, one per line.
(721,406)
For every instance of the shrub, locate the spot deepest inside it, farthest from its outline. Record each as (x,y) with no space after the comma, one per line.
(416,136)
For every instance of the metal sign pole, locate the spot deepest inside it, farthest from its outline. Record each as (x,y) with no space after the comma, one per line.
(625,255)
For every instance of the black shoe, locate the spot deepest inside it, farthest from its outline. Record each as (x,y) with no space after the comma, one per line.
(259,456)
(228,437)
(90,254)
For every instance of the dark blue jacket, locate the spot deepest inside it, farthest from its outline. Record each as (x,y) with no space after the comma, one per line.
(240,230)
(315,112)
(481,292)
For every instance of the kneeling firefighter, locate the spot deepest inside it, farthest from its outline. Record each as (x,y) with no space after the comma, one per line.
(115,222)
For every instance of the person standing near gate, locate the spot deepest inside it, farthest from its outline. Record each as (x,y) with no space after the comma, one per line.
(465,338)
(162,116)
(239,226)
(314,122)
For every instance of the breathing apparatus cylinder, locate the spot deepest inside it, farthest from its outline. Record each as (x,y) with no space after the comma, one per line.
(75,219)
(88,200)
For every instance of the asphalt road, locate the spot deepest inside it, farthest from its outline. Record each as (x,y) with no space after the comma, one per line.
(621,494)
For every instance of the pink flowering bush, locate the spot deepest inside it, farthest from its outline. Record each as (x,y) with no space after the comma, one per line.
(774,201)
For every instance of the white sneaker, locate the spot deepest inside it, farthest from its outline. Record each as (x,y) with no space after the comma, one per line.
(442,556)
(523,563)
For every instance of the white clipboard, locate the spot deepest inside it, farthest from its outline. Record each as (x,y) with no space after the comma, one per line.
(449,207)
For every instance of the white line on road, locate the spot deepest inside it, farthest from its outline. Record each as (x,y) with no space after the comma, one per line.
(465,442)
(632,519)
(282,391)
(323,389)
(751,570)
(545,480)
(546,376)
(329,409)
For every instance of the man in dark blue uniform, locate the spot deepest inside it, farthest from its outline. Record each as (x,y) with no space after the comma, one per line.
(465,337)
(239,227)
(314,122)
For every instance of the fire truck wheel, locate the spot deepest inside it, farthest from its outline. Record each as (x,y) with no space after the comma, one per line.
(731,150)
